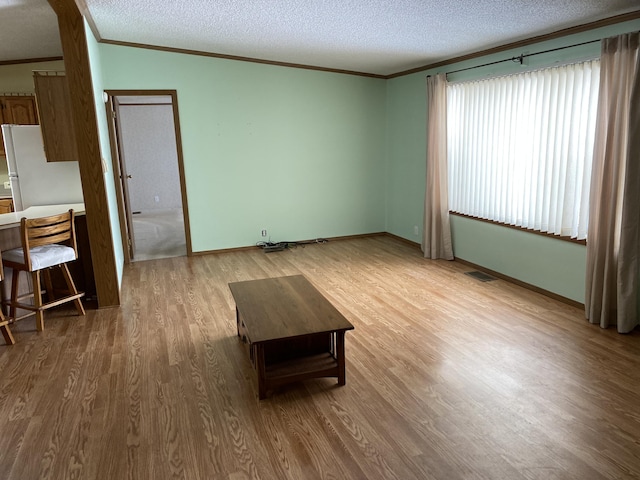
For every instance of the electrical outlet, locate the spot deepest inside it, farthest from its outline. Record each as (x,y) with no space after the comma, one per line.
(415,229)
(157,199)
(264,233)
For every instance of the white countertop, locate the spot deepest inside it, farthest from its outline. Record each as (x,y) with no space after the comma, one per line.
(9,220)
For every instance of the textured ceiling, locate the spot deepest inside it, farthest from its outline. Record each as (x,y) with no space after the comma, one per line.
(28,29)
(372,36)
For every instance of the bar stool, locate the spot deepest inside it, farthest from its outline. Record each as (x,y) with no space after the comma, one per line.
(47,242)
(4,324)
(6,331)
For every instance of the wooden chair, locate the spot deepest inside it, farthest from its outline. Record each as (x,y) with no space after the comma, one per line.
(6,331)
(4,324)
(47,243)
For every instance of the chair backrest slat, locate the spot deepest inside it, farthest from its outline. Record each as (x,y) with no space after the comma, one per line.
(43,234)
(49,239)
(50,220)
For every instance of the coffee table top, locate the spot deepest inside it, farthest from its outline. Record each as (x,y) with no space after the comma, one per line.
(285,307)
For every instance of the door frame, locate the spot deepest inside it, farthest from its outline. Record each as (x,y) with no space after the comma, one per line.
(120,173)
(126,228)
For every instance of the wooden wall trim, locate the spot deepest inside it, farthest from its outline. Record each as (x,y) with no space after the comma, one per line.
(417,246)
(405,240)
(183,176)
(523,43)
(224,250)
(239,58)
(117,179)
(30,60)
(84,11)
(520,283)
(254,247)
(122,105)
(176,122)
(83,112)
(501,276)
(522,229)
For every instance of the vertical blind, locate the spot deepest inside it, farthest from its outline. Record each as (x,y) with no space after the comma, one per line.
(520,147)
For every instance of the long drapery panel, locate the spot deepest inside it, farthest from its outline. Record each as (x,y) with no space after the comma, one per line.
(611,296)
(436,238)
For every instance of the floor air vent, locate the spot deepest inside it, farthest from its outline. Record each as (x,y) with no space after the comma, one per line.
(483,277)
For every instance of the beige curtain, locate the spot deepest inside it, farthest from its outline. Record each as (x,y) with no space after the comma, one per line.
(613,238)
(436,238)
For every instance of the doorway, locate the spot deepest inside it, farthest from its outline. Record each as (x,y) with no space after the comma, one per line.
(149,174)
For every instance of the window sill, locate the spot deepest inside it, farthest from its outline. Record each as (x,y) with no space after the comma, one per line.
(535,232)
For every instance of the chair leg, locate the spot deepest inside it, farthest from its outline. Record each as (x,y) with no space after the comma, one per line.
(72,288)
(6,331)
(37,300)
(15,276)
(48,284)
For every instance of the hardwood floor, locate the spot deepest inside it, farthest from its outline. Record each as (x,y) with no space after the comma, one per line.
(447,378)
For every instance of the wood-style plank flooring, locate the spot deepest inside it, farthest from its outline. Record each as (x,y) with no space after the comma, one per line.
(447,378)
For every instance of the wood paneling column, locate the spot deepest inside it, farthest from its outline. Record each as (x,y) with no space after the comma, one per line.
(83,112)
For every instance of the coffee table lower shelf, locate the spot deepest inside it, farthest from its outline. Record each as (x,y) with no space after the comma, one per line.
(275,373)
(313,366)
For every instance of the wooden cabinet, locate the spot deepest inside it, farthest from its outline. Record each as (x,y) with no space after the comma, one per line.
(18,110)
(54,107)
(6,205)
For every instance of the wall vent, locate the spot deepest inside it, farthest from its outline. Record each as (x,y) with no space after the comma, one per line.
(483,277)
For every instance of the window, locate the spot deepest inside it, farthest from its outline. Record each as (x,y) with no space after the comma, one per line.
(520,148)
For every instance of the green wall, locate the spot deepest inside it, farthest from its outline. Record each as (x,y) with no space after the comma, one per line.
(105,148)
(548,263)
(308,154)
(300,153)
(406,155)
(555,265)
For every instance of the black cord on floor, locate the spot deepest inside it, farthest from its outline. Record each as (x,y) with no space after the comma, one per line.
(279,246)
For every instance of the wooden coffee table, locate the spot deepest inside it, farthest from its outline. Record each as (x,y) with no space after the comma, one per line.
(291,331)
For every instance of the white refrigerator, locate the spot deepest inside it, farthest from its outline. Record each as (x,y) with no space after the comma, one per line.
(34,181)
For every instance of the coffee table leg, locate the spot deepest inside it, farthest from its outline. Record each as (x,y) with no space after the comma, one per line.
(262,372)
(238,320)
(342,380)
